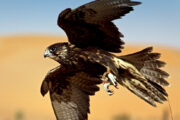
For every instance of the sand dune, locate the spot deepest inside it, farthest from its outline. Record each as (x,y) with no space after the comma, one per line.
(22,69)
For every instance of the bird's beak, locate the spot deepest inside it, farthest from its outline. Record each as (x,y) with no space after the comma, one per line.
(46,53)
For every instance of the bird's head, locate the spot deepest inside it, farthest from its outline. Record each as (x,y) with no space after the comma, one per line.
(57,52)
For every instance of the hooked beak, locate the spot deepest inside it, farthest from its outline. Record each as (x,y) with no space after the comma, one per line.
(47,53)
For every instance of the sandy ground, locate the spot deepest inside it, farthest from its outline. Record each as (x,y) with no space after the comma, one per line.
(22,69)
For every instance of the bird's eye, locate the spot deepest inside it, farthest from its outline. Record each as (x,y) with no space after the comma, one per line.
(52,49)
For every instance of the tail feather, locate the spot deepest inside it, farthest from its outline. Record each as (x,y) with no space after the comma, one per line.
(159,81)
(154,90)
(158,87)
(155,72)
(143,92)
(143,95)
(149,87)
(154,64)
(155,75)
(152,93)
(143,55)
(148,65)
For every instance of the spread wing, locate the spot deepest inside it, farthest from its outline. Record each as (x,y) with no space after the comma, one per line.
(91,24)
(69,92)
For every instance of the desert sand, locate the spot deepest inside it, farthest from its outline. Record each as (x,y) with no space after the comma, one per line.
(22,69)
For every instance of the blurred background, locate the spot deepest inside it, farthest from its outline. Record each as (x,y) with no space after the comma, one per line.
(28,27)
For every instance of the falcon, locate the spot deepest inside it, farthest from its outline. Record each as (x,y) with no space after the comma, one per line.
(88,60)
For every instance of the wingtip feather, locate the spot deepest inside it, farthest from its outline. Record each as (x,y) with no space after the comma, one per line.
(133,3)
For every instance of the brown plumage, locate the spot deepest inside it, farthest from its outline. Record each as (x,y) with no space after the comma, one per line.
(148,65)
(91,24)
(69,92)
(87,60)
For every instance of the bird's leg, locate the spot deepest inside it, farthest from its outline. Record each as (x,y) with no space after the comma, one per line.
(109,79)
(106,84)
(112,78)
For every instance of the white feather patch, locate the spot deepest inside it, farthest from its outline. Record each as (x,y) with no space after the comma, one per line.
(112,78)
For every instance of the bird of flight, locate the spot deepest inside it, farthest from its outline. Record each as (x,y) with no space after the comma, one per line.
(87,60)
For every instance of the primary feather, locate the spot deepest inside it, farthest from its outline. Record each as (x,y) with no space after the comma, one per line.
(91,24)
(69,92)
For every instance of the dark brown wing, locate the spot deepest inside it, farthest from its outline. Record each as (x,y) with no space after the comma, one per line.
(91,24)
(69,92)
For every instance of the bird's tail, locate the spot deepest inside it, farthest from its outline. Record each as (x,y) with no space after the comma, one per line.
(143,75)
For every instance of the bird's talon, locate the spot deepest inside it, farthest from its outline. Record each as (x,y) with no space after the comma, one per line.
(116,87)
(110,92)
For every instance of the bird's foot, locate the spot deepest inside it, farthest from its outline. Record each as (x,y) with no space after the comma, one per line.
(109,79)
(106,85)
(108,76)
